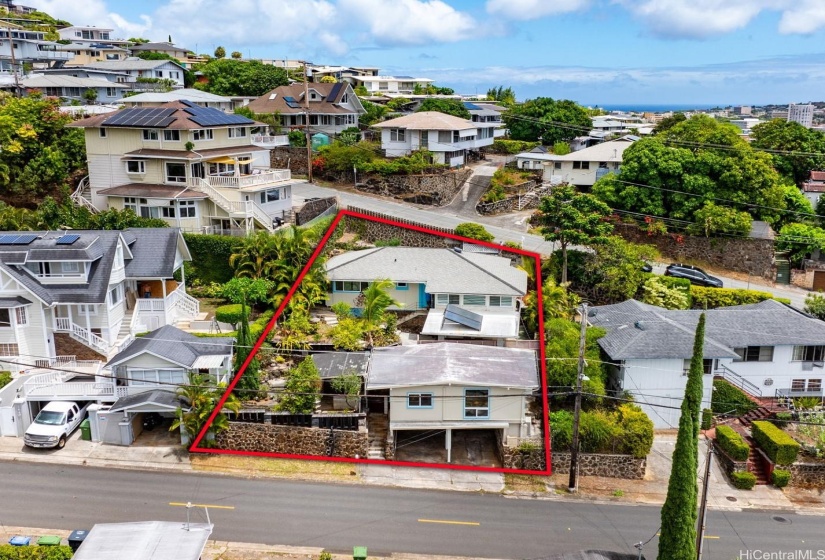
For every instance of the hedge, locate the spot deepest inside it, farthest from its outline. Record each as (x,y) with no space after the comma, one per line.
(231,313)
(5,378)
(732,443)
(624,431)
(9,552)
(780,478)
(210,257)
(707,418)
(711,298)
(778,445)
(502,146)
(743,480)
(727,398)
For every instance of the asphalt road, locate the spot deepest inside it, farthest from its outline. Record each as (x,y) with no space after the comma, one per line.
(385,520)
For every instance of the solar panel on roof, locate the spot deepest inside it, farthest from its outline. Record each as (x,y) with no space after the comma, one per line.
(152,117)
(335,90)
(24,239)
(463,317)
(471,106)
(67,239)
(291,102)
(210,116)
(187,103)
(8,239)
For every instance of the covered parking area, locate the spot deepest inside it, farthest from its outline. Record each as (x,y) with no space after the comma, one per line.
(123,422)
(471,445)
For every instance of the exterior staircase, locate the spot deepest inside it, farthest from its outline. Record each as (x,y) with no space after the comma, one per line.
(235,209)
(377,426)
(759,413)
(756,464)
(82,196)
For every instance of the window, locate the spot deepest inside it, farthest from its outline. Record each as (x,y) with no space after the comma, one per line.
(171,135)
(174,75)
(155,376)
(115,295)
(402,286)
(398,135)
(175,173)
(110,91)
(158,73)
(444,136)
(797,385)
(754,354)
(581,165)
(808,353)
(150,134)
(501,301)
(5,319)
(202,134)
(130,203)
(271,195)
(475,300)
(237,132)
(187,209)
(476,403)
(347,286)
(707,367)
(70,267)
(168,211)
(419,400)
(135,166)
(344,98)
(557,165)
(102,132)
(813,384)
(448,299)
(9,349)
(20,316)
(90,309)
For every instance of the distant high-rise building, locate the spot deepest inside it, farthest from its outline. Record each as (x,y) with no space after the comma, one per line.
(803,114)
(743,111)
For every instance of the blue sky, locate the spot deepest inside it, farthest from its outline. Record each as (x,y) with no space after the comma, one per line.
(593,51)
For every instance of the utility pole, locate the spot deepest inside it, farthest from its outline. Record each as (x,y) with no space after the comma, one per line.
(700,536)
(306,122)
(574,451)
(13,64)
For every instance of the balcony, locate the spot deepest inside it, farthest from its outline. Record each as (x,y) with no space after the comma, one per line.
(270,141)
(176,303)
(258,177)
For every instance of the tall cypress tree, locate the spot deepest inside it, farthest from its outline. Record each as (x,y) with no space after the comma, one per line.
(679,513)
(250,383)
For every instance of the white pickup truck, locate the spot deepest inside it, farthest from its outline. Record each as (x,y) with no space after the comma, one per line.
(54,424)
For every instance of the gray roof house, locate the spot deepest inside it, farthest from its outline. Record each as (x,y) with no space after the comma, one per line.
(466,294)
(769,349)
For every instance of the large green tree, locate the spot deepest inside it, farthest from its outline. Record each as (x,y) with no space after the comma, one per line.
(568,217)
(302,388)
(807,147)
(231,77)
(452,107)
(677,540)
(562,349)
(547,119)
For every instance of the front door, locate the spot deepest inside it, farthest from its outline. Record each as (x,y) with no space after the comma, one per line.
(198,170)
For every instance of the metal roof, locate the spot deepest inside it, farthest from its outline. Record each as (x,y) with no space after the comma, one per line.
(445,363)
(145,540)
(161,399)
(333,364)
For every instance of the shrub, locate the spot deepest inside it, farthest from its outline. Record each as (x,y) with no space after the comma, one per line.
(732,443)
(5,378)
(728,399)
(782,419)
(561,429)
(473,231)
(743,480)
(210,257)
(636,431)
(502,146)
(231,313)
(711,298)
(778,445)
(297,138)
(626,431)
(707,418)
(9,552)
(657,293)
(780,478)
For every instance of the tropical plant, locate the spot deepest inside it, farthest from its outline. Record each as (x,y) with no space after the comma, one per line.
(201,399)
(547,120)
(656,292)
(302,388)
(349,384)
(376,301)
(245,289)
(220,52)
(558,302)
(249,384)
(348,334)
(815,305)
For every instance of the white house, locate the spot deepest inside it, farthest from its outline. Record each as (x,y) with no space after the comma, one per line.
(581,168)
(30,47)
(196,96)
(70,88)
(377,85)
(450,387)
(768,349)
(465,295)
(89,34)
(143,73)
(449,138)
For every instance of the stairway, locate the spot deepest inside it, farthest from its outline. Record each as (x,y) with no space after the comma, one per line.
(126,325)
(755,463)
(82,196)
(759,413)
(377,426)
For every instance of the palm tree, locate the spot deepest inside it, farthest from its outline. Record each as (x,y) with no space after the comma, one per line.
(203,399)
(376,300)
(257,256)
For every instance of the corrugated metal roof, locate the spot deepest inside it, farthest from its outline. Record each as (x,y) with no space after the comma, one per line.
(145,540)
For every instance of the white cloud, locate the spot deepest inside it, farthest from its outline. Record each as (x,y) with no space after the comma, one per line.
(695,18)
(93,12)
(533,9)
(410,22)
(804,17)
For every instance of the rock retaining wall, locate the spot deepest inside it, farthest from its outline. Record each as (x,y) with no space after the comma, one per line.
(436,189)
(751,256)
(372,231)
(242,436)
(806,475)
(611,466)
(314,208)
(527,200)
(289,157)
(728,464)
(528,457)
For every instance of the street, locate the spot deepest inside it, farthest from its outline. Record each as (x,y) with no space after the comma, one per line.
(385,520)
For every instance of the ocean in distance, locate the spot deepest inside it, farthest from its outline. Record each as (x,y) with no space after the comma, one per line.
(655,108)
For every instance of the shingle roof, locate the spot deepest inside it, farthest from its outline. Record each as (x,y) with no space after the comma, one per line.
(153,252)
(174,345)
(153,191)
(442,270)
(427,120)
(277,100)
(446,362)
(640,331)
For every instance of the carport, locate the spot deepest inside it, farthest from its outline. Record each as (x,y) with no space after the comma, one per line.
(461,443)
(145,540)
(127,414)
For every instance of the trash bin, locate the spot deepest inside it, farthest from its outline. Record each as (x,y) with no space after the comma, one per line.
(76,539)
(19,540)
(86,430)
(48,540)
(359,553)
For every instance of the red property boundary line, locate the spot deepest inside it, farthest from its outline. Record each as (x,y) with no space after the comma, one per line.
(195,448)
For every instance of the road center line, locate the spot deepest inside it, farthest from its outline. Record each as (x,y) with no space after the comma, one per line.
(200,505)
(446,522)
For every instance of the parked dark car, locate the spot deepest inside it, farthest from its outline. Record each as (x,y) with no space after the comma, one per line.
(694,274)
(647,267)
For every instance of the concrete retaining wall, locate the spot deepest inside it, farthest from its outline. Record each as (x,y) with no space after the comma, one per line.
(611,466)
(242,436)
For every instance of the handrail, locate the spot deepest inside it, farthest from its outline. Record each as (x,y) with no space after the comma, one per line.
(740,382)
(78,198)
(246,208)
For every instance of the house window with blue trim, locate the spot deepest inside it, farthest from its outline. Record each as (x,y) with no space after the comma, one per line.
(419,400)
(402,286)
(476,403)
(346,286)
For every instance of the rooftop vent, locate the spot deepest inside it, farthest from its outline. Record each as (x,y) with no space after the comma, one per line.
(640,325)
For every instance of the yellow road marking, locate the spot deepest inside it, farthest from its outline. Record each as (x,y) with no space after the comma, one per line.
(200,505)
(471,523)
(706,536)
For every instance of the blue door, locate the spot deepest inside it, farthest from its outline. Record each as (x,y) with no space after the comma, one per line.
(422,297)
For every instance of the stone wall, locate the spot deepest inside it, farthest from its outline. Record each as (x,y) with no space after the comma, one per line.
(728,464)
(436,189)
(314,208)
(242,436)
(288,157)
(530,458)
(513,203)
(389,447)
(754,256)
(372,231)
(611,466)
(806,475)
(803,279)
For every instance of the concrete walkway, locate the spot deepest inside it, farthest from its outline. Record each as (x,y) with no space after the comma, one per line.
(432,479)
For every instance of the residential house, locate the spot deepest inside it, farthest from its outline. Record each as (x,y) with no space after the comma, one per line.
(89,34)
(465,295)
(30,47)
(455,387)
(147,540)
(745,124)
(486,117)
(10,6)
(196,96)
(143,74)
(814,186)
(583,167)
(378,85)
(332,107)
(69,88)
(341,73)
(449,138)
(88,53)
(768,349)
(146,375)
(194,167)
(93,73)
(162,47)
